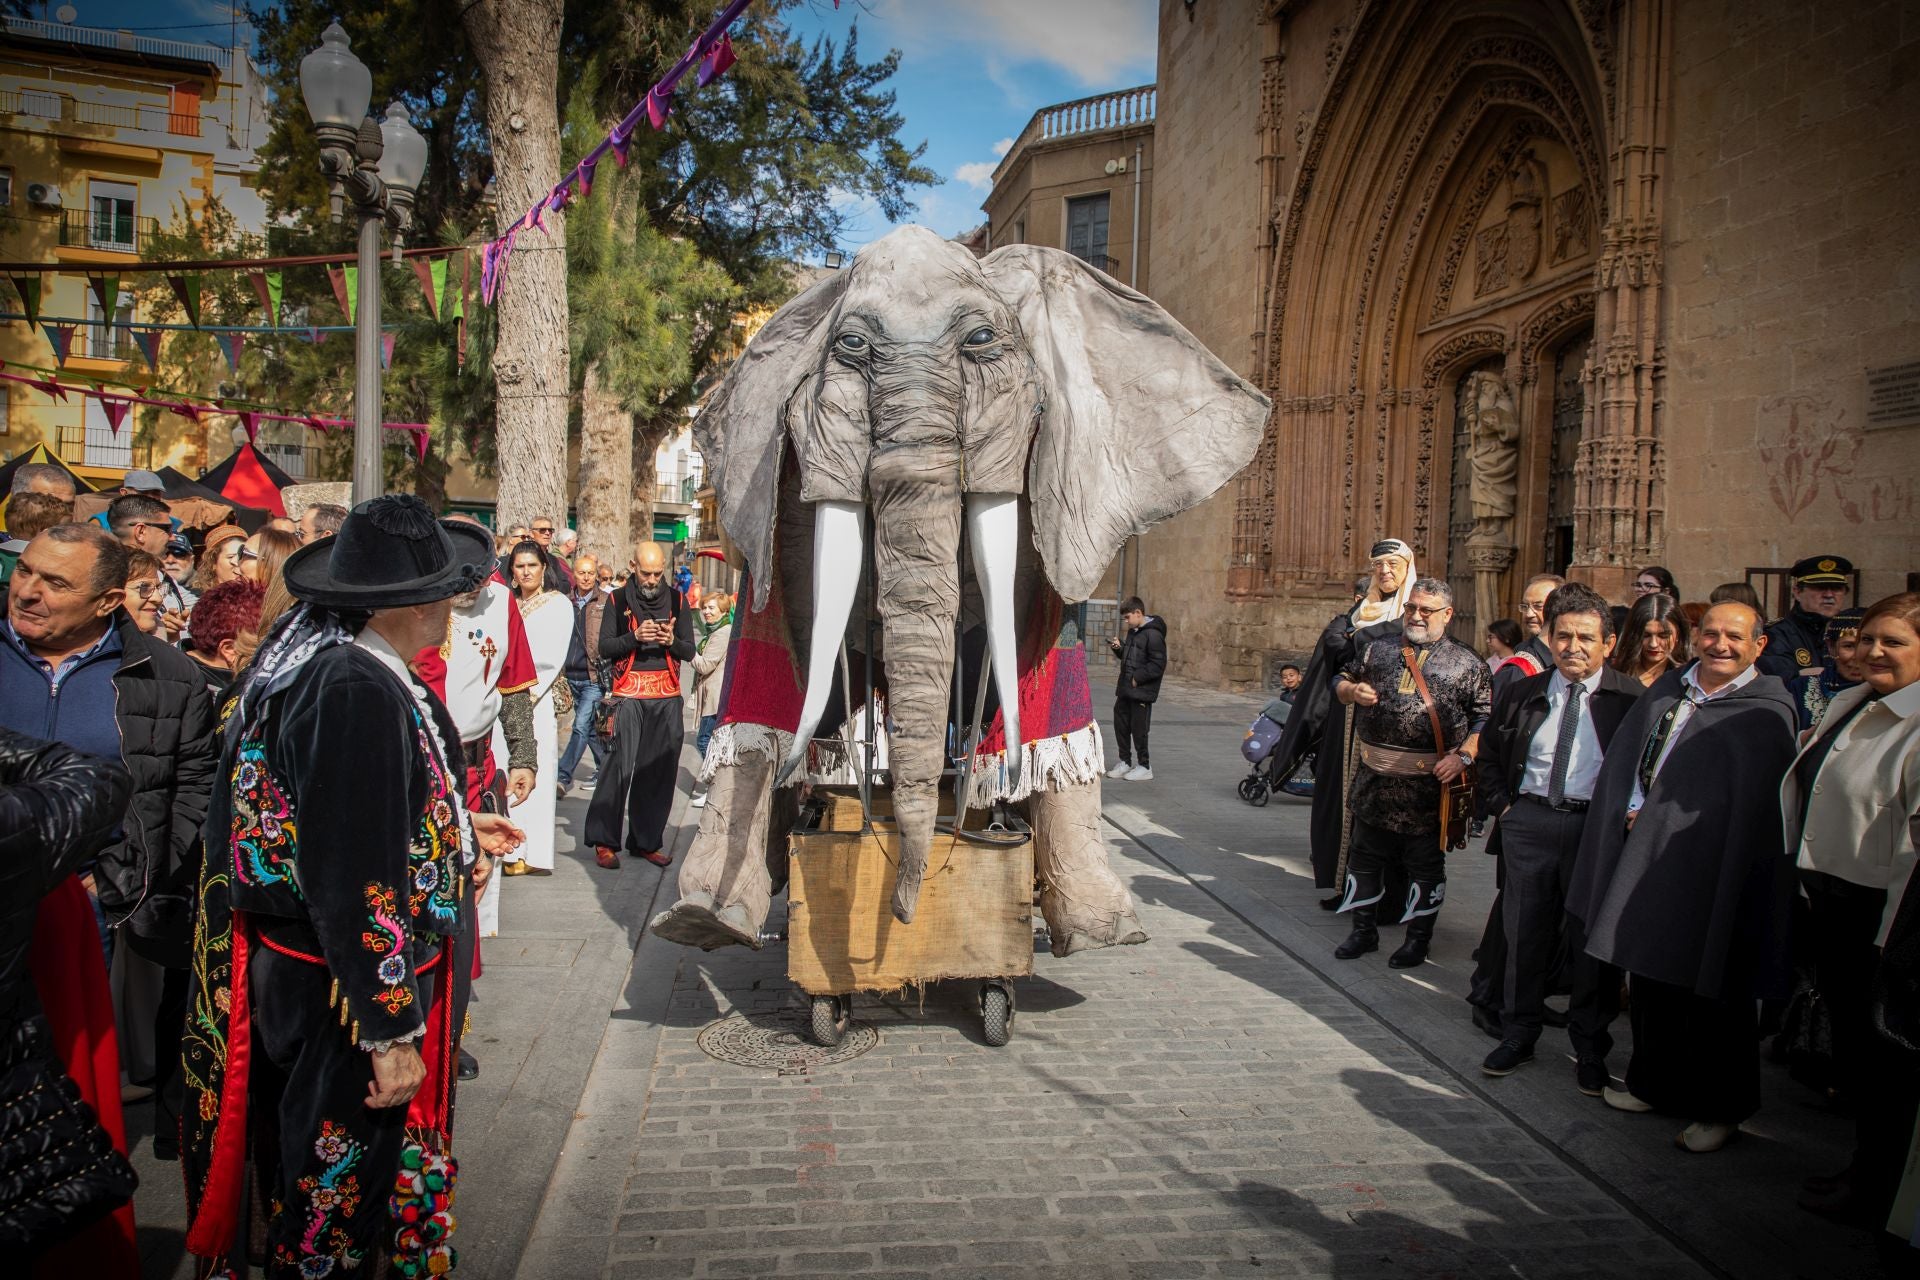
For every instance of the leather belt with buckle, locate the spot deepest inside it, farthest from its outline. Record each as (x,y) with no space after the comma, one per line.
(1565,806)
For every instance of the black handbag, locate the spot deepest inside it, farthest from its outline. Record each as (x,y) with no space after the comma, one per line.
(59,1172)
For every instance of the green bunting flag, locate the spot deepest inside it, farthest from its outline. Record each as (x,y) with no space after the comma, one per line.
(187,290)
(267,287)
(106,291)
(352,277)
(28,287)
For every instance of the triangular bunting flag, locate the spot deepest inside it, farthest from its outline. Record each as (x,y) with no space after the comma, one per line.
(187,290)
(28,287)
(420,443)
(148,340)
(386,351)
(106,291)
(250,423)
(191,412)
(423,272)
(53,389)
(586,179)
(338,279)
(351,277)
(718,58)
(315,336)
(266,287)
(116,411)
(231,345)
(659,107)
(61,337)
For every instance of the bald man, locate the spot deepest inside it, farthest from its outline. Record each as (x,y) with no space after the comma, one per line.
(646,632)
(1683,881)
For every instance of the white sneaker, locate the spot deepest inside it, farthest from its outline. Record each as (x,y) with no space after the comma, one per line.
(1139,773)
(1120,769)
(699,800)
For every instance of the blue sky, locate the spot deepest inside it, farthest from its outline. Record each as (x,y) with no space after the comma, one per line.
(971,72)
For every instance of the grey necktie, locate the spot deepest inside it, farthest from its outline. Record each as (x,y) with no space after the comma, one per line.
(1563,746)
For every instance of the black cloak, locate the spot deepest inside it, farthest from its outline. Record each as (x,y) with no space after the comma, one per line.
(1320,725)
(1699,893)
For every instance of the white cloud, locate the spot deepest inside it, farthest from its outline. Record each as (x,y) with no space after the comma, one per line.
(1103,44)
(1003,146)
(978,175)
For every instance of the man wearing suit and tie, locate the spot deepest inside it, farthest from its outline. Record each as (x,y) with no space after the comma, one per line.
(1539,756)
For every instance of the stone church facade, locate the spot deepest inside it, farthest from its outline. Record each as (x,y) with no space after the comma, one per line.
(1538,285)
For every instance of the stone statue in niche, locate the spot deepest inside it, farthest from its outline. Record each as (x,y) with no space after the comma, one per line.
(1494,455)
(1526,214)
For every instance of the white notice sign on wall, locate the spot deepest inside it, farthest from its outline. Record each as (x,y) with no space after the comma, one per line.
(1893,395)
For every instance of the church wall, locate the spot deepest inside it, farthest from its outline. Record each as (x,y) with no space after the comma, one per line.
(1790,271)
(1206,219)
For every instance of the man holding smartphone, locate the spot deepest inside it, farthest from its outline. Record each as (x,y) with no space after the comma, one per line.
(1143,660)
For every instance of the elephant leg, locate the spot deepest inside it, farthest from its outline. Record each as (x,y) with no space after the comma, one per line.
(1082,900)
(726,886)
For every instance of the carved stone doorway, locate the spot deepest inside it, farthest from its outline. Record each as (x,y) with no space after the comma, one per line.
(1569,412)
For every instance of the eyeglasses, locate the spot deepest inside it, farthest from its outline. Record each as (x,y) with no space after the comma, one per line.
(543,528)
(148,524)
(1427,610)
(1645,588)
(244,554)
(144,590)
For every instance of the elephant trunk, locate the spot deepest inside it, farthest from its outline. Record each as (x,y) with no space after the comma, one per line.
(916,505)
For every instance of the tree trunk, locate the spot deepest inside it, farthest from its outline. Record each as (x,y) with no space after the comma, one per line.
(646,479)
(606,472)
(517,43)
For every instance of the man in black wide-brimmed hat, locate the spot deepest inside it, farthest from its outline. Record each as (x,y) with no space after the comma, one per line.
(341,861)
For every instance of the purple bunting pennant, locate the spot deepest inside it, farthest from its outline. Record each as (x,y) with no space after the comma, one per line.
(659,106)
(116,411)
(250,423)
(716,61)
(586,179)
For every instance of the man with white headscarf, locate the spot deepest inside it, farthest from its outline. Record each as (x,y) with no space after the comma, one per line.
(1322,728)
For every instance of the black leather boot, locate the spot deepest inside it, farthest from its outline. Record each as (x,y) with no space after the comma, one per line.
(1364,938)
(1423,907)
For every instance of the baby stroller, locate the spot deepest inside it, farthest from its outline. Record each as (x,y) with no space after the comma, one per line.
(1262,737)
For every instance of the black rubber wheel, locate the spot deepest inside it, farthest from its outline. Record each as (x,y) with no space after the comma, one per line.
(828,1022)
(996,1014)
(1259,795)
(1246,788)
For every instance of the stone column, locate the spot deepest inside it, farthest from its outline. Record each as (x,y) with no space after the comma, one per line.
(1491,556)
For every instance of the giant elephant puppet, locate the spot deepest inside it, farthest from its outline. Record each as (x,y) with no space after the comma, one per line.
(1047,409)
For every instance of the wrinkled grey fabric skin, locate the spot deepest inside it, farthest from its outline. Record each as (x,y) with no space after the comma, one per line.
(911,381)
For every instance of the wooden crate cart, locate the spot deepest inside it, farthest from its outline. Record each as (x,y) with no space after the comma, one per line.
(974,920)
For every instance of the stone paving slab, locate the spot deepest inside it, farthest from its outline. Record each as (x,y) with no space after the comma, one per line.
(1199,1106)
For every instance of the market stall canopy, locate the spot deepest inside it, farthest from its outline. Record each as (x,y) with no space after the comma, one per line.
(248,478)
(39,453)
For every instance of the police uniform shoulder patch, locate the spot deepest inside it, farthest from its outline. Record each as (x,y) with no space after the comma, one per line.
(1803,656)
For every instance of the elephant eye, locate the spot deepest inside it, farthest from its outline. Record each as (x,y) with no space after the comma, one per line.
(851,342)
(981,337)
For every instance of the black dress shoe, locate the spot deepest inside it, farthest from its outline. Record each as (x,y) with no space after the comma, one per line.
(1410,953)
(1507,1057)
(1488,1021)
(469,1066)
(1332,903)
(1591,1075)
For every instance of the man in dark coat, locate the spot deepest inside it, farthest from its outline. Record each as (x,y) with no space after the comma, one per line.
(645,634)
(1404,689)
(1321,727)
(1690,892)
(1540,756)
(1143,661)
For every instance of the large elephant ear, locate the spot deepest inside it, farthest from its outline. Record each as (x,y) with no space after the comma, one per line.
(742,433)
(1139,422)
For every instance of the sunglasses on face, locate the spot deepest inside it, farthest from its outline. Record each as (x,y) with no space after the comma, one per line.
(1427,611)
(543,528)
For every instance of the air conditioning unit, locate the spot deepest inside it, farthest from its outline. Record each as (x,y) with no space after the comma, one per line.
(44,194)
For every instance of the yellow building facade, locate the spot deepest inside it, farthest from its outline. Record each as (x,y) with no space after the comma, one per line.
(107,137)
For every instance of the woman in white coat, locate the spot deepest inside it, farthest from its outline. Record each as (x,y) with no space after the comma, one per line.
(548,617)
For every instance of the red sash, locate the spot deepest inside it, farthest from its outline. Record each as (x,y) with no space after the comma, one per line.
(628,683)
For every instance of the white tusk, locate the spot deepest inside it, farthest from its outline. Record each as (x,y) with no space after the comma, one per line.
(839,552)
(993,530)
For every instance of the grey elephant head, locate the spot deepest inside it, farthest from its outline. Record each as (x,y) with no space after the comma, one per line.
(929,387)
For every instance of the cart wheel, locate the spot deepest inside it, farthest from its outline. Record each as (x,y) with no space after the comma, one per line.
(1258,793)
(1247,785)
(996,1013)
(829,1018)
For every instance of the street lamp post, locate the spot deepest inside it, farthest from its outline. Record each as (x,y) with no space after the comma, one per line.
(379,166)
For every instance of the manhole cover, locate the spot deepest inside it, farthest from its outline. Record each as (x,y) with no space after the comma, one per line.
(779,1042)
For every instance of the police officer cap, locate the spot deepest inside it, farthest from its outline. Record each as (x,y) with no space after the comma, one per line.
(1816,571)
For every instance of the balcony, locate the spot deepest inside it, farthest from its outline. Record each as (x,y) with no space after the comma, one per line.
(92,447)
(109,342)
(1121,109)
(119,41)
(679,491)
(113,233)
(65,108)
(1102,262)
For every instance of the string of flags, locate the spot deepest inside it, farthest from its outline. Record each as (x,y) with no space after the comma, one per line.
(115,405)
(712,52)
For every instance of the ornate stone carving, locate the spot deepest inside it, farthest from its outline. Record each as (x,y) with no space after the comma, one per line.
(1543,328)
(1572,232)
(1526,215)
(1490,260)
(1484,558)
(1474,344)
(1494,428)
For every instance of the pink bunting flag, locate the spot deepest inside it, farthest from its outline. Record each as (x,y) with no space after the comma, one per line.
(231,346)
(314,424)
(659,106)
(420,443)
(61,338)
(716,61)
(586,178)
(386,351)
(620,139)
(191,412)
(116,411)
(53,389)
(561,195)
(148,340)
(250,423)
(315,336)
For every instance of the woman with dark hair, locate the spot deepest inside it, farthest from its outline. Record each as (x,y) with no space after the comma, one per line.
(1503,637)
(1738,593)
(1849,804)
(1655,580)
(1654,640)
(548,617)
